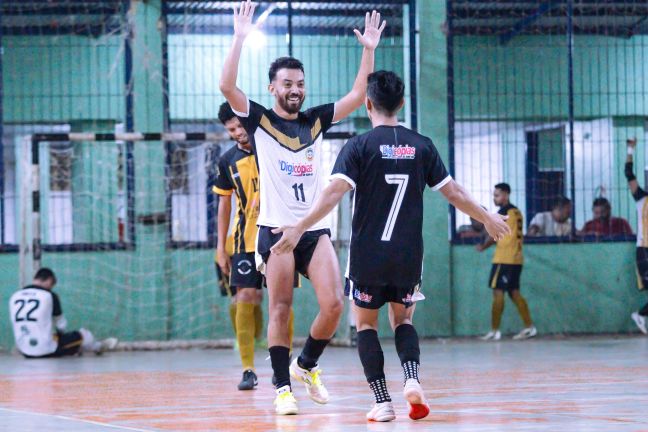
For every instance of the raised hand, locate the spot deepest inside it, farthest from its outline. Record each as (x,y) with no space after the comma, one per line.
(373,29)
(243,19)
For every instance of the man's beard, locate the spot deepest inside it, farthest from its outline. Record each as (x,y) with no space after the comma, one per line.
(290,108)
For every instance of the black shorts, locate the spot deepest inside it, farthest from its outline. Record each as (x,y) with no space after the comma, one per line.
(68,344)
(244,273)
(642,268)
(374,297)
(505,277)
(303,253)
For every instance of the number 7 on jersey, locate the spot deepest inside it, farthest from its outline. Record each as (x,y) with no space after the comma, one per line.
(401,181)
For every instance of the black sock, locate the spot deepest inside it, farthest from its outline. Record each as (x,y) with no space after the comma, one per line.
(311,353)
(407,346)
(373,362)
(644,311)
(280,359)
(379,388)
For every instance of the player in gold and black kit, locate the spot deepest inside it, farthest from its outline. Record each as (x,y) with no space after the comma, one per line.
(507,267)
(641,198)
(238,174)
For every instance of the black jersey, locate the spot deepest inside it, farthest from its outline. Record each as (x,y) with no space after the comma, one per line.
(388,168)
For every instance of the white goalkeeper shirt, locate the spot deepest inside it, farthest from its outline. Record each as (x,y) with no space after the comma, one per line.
(32,311)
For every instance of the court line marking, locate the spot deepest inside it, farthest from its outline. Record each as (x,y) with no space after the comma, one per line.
(62,417)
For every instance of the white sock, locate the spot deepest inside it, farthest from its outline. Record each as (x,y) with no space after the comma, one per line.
(89,343)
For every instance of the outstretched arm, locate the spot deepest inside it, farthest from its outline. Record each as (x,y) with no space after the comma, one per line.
(329,198)
(632,180)
(242,28)
(369,40)
(459,197)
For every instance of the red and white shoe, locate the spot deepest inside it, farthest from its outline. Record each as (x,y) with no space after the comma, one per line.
(414,394)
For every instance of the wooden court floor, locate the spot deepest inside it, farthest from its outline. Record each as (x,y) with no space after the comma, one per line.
(566,385)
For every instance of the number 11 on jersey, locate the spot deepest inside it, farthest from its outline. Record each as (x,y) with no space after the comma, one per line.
(299,192)
(400,180)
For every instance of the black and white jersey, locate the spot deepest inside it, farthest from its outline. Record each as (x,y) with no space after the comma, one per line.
(33,311)
(289,154)
(389,168)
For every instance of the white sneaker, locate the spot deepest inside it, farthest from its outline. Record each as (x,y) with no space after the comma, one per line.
(492,335)
(311,379)
(285,403)
(107,344)
(382,412)
(640,321)
(413,392)
(526,333)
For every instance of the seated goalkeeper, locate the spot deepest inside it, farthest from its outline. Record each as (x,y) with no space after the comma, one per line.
(39,325)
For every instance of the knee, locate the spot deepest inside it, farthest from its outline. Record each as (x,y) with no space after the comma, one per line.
(280,311)
(335,307)
(246,295)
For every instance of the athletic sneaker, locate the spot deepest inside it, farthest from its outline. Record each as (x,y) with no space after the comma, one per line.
(413,392)
(249,380)
(382,412)
(285,403)
(640,321)
(107,344)
(311,379)
(526,333)
(492,335)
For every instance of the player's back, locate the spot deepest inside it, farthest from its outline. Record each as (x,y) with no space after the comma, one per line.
(31,310)
(392,166)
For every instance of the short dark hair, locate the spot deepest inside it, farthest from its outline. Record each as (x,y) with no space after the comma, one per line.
(560,202)
(225,113)
(44,274)
(385,90)
(284,63)
(601,202)
(504,187)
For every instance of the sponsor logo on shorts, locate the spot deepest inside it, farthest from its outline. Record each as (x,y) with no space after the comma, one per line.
(310,154)
(363,297)
(244,267)
(505,279)
(296,169)
(397,152)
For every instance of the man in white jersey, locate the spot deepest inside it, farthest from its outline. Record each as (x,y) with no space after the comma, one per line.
(39,325)
(641,198)
(287,143)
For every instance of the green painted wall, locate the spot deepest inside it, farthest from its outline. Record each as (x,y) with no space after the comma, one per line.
(570,288)
(62,78)
(434,315)
(527,78)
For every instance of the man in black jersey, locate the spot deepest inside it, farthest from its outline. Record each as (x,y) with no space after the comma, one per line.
(389,168)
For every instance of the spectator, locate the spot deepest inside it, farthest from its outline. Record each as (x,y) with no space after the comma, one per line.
(553,223)
(603,223)
(474,230)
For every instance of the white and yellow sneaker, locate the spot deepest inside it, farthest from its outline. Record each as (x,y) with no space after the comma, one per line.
(413,392)
(285,403)
(382,412)
(311,379)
